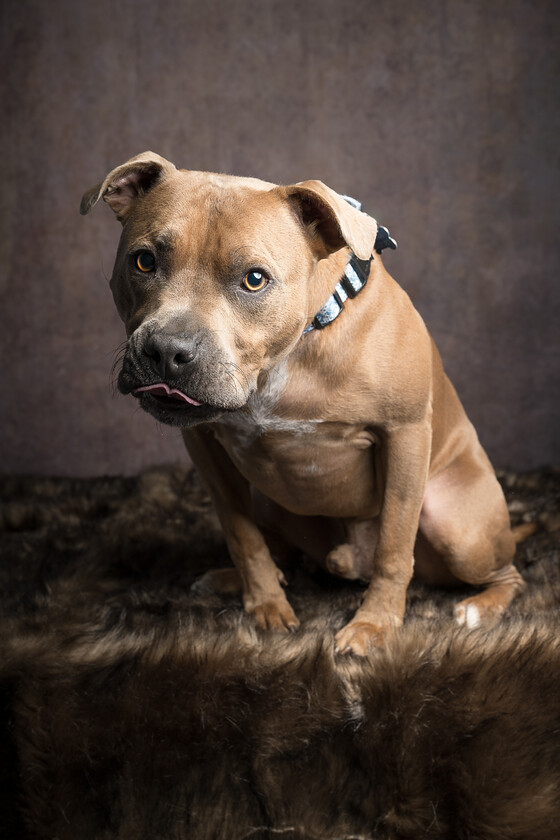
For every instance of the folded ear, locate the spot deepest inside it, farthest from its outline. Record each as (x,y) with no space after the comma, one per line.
(327,215)
(124,184)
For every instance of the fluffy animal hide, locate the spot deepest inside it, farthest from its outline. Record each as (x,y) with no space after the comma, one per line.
(134,708)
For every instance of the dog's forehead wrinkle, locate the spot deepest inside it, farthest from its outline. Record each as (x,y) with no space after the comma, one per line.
(212,196)
(162,240)
(242,255)
(167,238)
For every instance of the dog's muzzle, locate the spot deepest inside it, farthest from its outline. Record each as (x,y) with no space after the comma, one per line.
(180,379)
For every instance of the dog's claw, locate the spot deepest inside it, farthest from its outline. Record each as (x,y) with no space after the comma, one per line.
(275,615)
(359,637)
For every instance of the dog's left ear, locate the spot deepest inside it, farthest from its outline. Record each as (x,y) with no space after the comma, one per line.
(328,216)
(124,184)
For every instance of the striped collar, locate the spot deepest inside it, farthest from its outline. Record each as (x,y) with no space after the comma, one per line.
(352,282)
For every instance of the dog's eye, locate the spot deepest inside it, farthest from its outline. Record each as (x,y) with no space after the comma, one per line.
(254,281)
(145,261)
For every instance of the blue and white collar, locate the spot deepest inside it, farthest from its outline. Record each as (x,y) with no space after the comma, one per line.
(353,280)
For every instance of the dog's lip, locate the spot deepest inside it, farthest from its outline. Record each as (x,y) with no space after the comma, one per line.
(162,389)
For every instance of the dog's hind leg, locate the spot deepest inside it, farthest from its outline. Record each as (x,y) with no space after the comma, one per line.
(466,521)
(485,608)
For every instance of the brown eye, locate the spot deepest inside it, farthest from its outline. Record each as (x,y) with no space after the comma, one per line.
(254,281)
(145,261)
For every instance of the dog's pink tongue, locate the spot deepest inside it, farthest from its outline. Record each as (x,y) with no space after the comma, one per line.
(163,390)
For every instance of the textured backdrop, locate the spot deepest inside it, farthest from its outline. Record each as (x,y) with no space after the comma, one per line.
(441,116)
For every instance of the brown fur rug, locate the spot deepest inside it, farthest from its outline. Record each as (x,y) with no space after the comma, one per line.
(133,708)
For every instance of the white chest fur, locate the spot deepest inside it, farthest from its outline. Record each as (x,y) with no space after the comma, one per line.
(260,415)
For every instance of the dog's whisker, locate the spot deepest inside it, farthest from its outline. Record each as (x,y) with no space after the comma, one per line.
(118,357)
(236,367)
(233,378)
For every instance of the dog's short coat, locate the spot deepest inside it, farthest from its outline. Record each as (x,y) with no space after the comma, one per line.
(348,442)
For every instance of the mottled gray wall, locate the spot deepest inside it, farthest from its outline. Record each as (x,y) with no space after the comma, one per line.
(440,115)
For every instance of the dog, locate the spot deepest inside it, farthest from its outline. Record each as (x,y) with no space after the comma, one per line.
(261,321)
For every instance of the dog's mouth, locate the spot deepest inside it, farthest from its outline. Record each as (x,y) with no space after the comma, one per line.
(166,396)
(174,407)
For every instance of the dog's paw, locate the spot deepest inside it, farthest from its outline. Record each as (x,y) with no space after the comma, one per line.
(275,614)
(478,611)
(360,637)
(467,615)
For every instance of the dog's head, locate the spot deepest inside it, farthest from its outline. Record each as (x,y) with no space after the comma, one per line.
(212,279)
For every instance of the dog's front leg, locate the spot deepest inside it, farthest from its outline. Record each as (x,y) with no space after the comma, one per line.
(406,459)
(263,596)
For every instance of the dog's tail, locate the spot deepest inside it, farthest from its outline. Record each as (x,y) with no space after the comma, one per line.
(526,529)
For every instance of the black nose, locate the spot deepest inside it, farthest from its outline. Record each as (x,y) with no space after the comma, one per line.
(169,354)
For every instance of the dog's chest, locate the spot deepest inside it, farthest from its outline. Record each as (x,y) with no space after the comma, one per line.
(308,466)
(260,422)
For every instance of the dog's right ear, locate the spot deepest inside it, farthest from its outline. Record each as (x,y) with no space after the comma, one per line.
(127,182)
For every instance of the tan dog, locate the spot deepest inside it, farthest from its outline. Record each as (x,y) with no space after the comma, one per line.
(348,440)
